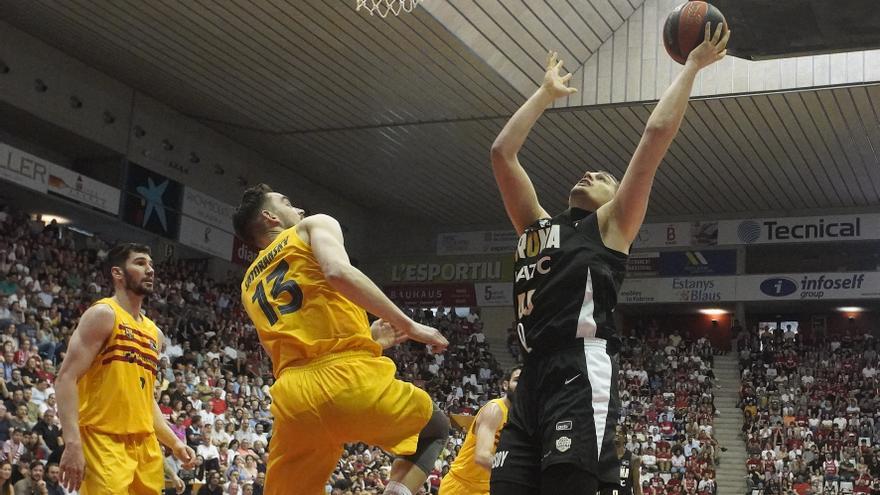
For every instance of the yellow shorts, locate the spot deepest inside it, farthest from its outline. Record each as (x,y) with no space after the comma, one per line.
(122,464)
(452,485)
(337,399)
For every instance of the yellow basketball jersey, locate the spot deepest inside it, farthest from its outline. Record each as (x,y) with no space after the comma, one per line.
(298,315)
(116,393)
(464,468)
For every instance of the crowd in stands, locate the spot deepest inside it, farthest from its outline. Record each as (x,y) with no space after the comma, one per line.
(213,376)
(667,396)
(811,411)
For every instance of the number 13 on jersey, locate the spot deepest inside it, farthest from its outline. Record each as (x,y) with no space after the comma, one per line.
(273,307)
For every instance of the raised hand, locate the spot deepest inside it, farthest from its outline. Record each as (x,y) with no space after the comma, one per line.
(712,49)
(555,84)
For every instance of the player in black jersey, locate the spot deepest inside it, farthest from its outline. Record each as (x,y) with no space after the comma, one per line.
(559,438)
(629,482)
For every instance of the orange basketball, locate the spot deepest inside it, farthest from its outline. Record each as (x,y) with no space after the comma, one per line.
(685,28)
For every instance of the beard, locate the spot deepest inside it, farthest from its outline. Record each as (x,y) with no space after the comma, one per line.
(138,288)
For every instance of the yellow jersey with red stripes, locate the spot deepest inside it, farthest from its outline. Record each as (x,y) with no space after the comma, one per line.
(465,469)
(298,315)
(116,393)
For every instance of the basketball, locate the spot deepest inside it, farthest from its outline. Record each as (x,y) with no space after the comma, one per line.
(685,28)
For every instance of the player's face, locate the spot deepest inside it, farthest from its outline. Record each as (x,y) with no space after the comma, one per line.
(593,190)
(139,274)
(287,215)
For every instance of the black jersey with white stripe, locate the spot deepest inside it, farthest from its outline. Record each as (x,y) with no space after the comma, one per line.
(626,476)
(565,283)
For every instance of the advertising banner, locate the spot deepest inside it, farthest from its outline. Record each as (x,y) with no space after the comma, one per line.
(152,201)
(43,176)
(809,286)
(643,264)
(481,242)
(800,229)
(207,210)
(677,290)
(206,238)
(677,234)
(434,295)
(694,263)
(831,228)
(498,294)
(242,254)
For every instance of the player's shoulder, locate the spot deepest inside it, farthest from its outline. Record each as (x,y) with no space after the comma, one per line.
(318,219)
(101,310)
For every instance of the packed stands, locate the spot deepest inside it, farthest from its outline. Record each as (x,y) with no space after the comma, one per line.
(811,415)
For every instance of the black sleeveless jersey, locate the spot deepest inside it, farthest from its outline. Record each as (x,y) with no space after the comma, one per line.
(625,485)
(565,283)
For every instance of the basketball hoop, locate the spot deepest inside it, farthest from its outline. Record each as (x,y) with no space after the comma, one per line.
(384,7)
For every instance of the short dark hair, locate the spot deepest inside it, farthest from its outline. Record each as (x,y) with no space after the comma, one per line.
(35,464)
(246,214)
(119,254)
(509,374)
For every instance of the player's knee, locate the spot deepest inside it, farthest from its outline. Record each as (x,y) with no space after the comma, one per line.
(432,439)
(438,426)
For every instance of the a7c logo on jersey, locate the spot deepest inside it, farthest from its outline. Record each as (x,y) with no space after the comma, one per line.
(279,287)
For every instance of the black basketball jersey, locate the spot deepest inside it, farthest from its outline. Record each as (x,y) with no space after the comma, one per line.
(625,485)
(565,283)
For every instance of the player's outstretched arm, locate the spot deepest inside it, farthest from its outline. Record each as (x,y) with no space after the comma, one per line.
(488,420)
(167,437)
(517,191)
(324,235)
(94,328)
(621,218)
(634,467)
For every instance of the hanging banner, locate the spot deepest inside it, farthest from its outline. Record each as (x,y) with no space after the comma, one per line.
(432,296)
(677,290)
(242,254)
(152,201)
(643,264)
(498,294)
(206,238)
(40,175)
(830,228)
(695,263)
(481,242)
(809,286)
(208,210)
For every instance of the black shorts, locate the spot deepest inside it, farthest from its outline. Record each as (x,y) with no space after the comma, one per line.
(565,412)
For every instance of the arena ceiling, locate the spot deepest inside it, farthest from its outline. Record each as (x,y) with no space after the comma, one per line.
(399,114)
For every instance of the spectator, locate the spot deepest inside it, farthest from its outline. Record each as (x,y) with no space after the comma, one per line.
(33,484)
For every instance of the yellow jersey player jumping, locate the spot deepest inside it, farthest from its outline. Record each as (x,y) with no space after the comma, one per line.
(469,474)
(111,423)
(333,386)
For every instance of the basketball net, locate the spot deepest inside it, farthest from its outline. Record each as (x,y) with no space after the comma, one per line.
(384,7)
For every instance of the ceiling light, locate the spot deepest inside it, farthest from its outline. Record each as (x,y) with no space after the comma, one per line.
(850,309)
(713,311)
(47,219)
